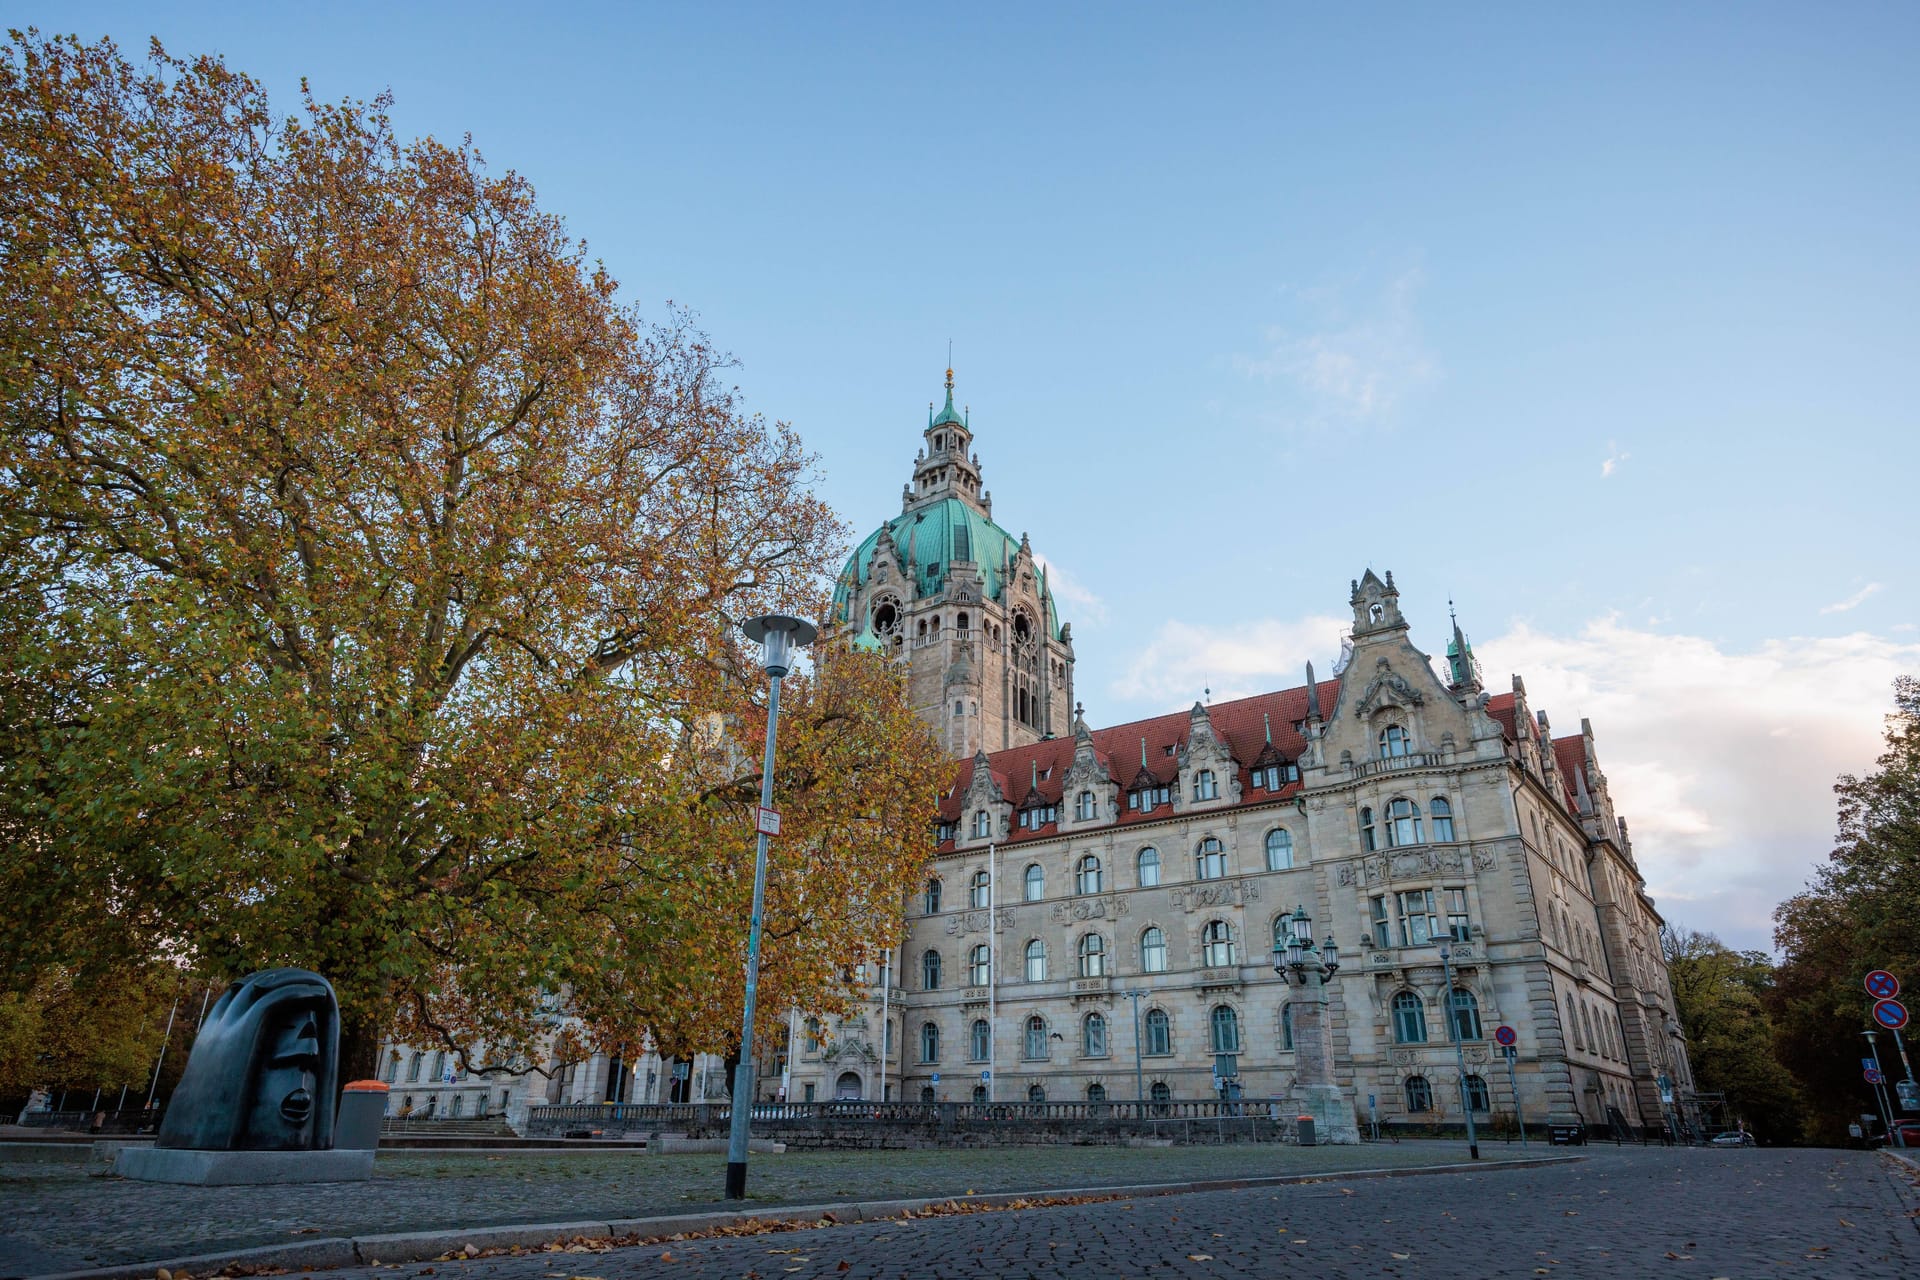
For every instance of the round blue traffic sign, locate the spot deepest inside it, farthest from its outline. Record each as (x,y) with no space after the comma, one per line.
(1506,1035)
(1882,985)
(1873,1076)
(1890,1014)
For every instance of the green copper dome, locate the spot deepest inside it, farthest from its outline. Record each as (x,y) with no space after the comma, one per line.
(928,540)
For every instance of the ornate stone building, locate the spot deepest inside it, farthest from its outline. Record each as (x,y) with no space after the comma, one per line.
(1102,904)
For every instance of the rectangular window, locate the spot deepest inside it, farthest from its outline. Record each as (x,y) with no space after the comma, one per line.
(1459,927)
(1419,923)
(1382,930)
(809,1093)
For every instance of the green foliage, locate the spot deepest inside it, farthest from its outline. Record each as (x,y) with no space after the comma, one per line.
(1722,998)
(1861,912)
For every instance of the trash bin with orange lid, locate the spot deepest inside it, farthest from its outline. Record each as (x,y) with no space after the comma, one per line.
(363,1104)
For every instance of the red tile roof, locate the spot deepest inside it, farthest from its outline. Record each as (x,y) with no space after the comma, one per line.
(1242,724)
(1501,708)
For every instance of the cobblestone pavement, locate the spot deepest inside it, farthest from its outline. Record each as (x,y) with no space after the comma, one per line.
(1625,1213)
(57,1218)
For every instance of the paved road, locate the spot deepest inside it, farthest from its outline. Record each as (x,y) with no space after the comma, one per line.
(56,1218)
(1627,1213)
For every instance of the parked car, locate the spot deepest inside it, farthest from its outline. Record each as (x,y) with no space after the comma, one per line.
(1731,1138)
(1909,1130)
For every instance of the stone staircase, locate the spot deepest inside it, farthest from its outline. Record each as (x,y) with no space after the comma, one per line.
(447,1127)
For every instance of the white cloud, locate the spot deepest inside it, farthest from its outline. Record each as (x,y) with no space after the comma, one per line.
(1615,456)
(1721,760)
(1349,367)
(1853,601)
(1081,604)
(1184,658)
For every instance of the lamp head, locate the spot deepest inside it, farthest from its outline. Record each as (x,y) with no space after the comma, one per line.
(778,635)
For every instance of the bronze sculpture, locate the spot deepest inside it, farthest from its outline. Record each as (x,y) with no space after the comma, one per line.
(264,1069)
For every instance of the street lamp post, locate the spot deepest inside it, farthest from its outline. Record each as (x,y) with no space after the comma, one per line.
(1459,1052)
(778,635)
(1297,960)
(1139,1074)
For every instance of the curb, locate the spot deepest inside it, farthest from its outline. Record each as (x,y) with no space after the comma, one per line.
(332,1252)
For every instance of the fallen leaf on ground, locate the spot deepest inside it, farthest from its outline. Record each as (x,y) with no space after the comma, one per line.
(1199,1257)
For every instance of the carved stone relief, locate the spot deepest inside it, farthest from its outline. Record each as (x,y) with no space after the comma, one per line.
(1226,893)
(966,922)
(1104,907)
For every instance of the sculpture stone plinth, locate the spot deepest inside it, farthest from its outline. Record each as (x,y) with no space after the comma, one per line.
(1332,1111)
(241,1168)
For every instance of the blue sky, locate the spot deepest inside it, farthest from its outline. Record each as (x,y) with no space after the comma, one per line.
(1601,324)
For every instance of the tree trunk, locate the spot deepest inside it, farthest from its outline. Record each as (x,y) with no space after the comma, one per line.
(360,1038)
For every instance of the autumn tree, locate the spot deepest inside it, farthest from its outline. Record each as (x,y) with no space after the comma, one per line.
(1721,996)
(370,575)
(1860,912)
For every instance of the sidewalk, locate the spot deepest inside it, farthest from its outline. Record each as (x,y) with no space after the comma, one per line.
(61,1220)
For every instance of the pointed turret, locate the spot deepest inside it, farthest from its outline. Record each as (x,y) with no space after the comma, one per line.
(946,467)
(1463,669)
(1376,606)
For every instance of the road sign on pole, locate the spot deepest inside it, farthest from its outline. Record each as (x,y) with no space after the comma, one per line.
(1882,985)
(1890,1014)
(1872,1076)
(1506,1035)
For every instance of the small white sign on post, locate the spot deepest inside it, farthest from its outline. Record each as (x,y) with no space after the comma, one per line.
(768,823)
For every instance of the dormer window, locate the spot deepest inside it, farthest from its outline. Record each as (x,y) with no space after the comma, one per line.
(1204,786)
(1039,816)
(1146,798)
(1393,742)
(1272,777)
(945,831)
(982,825)
(1083,807)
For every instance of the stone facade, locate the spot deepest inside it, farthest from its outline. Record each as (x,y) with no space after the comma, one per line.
(1104,898)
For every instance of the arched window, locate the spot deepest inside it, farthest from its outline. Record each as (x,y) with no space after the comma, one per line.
(980,1041)
(980,889)
(1477,1096)
(1225,1024)
(413,1067)
(1096,1093)
(1419,1095)
(1593,1041)
(1403,822)
(1573,1027)
(1286,1027)
(1159,1092)
(982,825)
(929,1042)
(980,1092)
(1393,742)
(1086,876)
(1035,1041)
(930,971)
(1216,944)
(1204,786)
(1036,961)
(459,1104)
(1442,814)
(1409,1019)
(1466,1014)
(979,966)
(933,896)
(1159,1033)
(1148,864)
(1093,956)
(1083,806)
(1210,860)
(1153,951)
(1036,883)
(1036,1094)
(440,1066)
(926,1093)
(1279,849)
(1093,1035)
(1367,840)
(392,1073)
